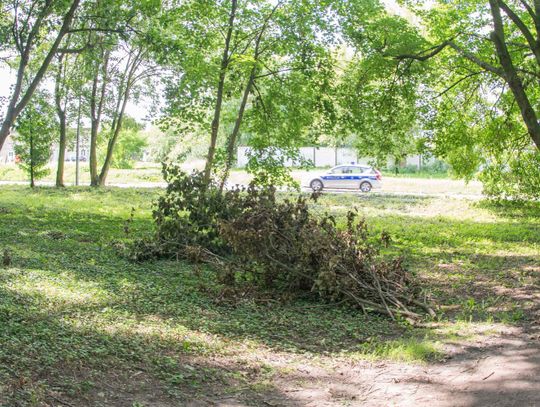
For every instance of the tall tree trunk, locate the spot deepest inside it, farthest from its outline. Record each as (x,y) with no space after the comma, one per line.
(15,106)
(32,184)
(219,95)
(96,111)
(112,142)
(61,149)
(233,137)
(512,78)
(231,142)
(61,112)
(123,97)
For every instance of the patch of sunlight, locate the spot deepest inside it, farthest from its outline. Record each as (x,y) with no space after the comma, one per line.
(153,328)
(410,350)
(77,197)
(518,250)
(60,292)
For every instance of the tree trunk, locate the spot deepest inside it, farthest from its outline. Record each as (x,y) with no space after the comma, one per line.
(61,149)
(112,142)
(512,78)
(231,142)
(219,95)
(96,110)
(32,184)
(123,98)
(60,111)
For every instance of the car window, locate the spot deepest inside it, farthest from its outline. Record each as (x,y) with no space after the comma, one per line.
(356,170)
(338,170)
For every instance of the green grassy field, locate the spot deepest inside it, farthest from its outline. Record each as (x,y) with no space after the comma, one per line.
(142,172)
(81,325)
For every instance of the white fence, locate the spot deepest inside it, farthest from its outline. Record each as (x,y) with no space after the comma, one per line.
(327,157)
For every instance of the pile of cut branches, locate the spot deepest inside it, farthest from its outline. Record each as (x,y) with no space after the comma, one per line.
(252,237)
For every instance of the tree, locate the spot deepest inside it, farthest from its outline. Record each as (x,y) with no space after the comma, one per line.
(130,145)
(61,100)
(510,54)
(264,45)
(36,127)
(34,31)
(379,99)
(481,90)
(67,84)
(119,66)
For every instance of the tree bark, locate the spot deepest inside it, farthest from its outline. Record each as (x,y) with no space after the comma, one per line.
(219,96)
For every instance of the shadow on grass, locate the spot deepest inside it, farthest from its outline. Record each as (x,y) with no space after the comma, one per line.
(53,330)
(49,357)
(512,209)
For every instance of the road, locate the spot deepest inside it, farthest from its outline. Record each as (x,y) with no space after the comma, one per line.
(440,188)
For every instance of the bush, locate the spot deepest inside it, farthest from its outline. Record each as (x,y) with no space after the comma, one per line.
(252,237)
(129,148)
(514,178)
(431,167)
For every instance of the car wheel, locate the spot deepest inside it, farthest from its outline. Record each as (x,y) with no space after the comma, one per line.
(365,187)
(316,185)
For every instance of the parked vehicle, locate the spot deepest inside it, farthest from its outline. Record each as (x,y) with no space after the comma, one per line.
(352,176)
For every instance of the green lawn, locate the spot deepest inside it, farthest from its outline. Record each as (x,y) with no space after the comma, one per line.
(82,325)
(142,172)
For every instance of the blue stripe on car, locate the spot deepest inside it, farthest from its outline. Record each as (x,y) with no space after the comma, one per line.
(348,177)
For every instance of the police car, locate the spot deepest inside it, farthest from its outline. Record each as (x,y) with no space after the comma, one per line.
(352,176)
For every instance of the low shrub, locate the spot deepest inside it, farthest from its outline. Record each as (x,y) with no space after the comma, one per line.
(251,237)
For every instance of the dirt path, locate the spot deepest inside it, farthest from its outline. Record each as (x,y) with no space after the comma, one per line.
(505,371)
(498,368)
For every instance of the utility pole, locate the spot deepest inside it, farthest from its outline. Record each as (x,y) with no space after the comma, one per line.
(77,144)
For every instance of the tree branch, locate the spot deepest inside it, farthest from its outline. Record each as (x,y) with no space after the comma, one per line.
(434,51)
(426,54)
(473,58)
(464,78)
(533,44)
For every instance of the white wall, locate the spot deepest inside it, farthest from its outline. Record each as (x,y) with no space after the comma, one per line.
(328,157)
(319,156)
(7,153)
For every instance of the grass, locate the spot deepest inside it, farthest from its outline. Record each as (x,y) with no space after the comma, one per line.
(141,173)
(83,325)
(149,175)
